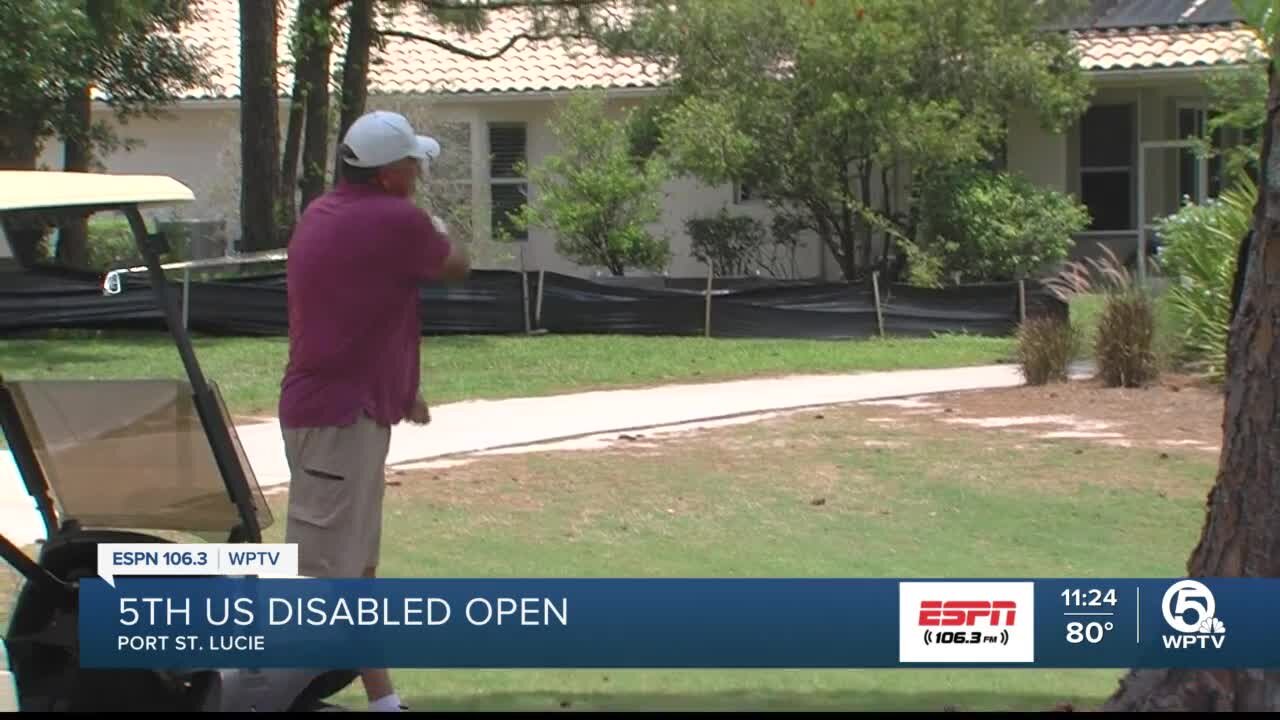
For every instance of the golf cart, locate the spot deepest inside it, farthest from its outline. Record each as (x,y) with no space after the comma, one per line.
(119,461)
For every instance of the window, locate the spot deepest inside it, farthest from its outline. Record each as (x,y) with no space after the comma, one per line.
(1107,166)
(1192,124)
(508,189)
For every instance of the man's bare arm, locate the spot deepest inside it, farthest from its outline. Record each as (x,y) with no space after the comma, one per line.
(456,266)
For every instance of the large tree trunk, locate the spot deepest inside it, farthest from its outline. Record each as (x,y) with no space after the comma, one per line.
(302,78)
(259,125)
(1241,534)
(355,71)
(315,146)
(73,236)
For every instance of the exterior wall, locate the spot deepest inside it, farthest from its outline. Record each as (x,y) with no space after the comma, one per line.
(684,197)
(1037,154)
(199,145)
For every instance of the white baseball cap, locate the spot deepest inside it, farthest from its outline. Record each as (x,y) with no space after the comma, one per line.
(380,137)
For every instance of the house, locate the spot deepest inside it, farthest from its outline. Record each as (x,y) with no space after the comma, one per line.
(1147,59)
(1128,159)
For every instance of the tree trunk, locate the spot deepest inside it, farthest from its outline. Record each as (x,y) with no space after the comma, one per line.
(259,126)
(19,147)
(292,147)
(844,227)
(841,241)
(887,204)
(19,144)
(73,236)
(866,175)
(355,71)
(1241,534)
(315,146)
(293,131)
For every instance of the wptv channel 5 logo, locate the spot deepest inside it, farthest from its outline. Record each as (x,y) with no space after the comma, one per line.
(978,622)
(1189,608)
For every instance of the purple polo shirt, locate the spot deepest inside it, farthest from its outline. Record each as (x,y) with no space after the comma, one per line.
(356,259)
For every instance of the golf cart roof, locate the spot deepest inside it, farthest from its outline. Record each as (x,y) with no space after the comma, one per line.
(42,189)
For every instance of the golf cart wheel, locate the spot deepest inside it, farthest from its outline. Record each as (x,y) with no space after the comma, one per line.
(44,652)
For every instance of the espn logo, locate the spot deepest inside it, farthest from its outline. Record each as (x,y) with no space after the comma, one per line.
(950,613)
(966,622)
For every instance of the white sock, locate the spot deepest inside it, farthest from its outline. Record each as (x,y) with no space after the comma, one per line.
(386,703)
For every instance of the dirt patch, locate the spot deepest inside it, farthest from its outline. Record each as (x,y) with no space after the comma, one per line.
(1177,412)
(701,472)
(855,456)
(475,486)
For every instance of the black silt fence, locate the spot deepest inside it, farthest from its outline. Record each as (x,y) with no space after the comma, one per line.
(497,302)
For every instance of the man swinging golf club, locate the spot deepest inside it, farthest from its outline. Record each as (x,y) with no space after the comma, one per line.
(356,259)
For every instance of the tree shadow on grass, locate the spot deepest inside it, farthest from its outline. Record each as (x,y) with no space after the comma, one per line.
(851,700)
(460,341)
(45,350)
(18,359)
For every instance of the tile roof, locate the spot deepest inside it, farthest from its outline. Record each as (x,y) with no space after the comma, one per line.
(412,66)
(1161,47)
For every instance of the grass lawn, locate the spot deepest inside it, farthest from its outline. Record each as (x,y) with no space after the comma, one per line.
(861,491)
(488,367)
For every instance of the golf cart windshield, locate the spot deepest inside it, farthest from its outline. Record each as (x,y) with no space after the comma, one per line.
(148,454)
(130,454)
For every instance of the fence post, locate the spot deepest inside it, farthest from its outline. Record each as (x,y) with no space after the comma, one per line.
(1022,300)
(524,292)
(875,286)
(537,306)
(524,300)
(706,323)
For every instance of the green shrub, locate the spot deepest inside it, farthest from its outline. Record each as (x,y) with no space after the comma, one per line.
(924,266)
(996,226)
(593,194)
(1046,347)
(1199,258)
(732,244)
(111,244)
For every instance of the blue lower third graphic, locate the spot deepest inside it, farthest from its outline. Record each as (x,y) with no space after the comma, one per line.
(226,622)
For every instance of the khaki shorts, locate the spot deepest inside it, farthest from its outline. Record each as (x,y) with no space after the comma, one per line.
(336,489)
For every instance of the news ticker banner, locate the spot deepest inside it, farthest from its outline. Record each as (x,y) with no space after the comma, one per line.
(282,622)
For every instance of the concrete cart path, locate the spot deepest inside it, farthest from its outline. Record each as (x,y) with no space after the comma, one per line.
(474,426)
